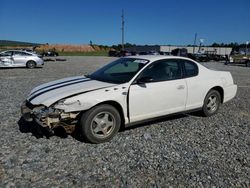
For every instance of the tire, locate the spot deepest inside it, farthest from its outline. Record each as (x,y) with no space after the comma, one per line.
(211,103)
(31,64)
(100,124)
(248,64)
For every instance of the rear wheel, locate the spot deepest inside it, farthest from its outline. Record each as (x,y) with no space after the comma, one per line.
(211,103)
(31,64)
(100,124)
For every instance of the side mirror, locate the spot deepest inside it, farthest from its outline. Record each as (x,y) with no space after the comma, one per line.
(144,80)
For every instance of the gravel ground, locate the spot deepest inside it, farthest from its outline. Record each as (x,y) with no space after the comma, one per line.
(180,151)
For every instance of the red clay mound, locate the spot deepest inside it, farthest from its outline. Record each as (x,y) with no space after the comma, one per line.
(68,48)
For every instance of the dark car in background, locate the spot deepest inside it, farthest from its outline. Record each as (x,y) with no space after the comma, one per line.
(180,52)
(202,57)
(206,57)
(113,53)
(122,53)
(50,53)
(165,53)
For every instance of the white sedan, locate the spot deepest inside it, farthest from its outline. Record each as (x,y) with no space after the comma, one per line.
(128,91)
(20,58)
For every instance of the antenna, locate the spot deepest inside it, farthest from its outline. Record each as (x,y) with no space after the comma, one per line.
(123,29)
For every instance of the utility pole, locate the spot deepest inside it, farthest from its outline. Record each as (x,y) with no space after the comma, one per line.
(201,43)
(246,47)
(123,29)
(195,37)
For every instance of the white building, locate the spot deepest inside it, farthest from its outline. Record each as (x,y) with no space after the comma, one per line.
(197,49)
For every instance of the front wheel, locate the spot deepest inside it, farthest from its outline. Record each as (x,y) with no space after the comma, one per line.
(100,124)
(211,103)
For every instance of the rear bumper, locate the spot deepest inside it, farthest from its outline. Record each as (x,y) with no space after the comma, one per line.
(229,92)
(40,62)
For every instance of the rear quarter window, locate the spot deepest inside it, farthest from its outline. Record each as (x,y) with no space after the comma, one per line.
(191,69)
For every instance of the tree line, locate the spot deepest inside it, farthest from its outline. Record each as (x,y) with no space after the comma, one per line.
(234,45)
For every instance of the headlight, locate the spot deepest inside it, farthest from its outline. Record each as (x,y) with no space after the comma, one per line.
(64,102)
(68,105)
(61,102)
(77,102)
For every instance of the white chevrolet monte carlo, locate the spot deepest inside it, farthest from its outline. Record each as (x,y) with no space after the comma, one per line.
(127,91)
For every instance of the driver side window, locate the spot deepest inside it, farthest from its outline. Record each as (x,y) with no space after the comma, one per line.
(163,70)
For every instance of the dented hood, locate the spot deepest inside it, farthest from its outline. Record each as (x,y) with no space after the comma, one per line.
(49,93)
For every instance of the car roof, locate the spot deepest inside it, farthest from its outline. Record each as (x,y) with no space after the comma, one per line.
(157,57)
(17,51)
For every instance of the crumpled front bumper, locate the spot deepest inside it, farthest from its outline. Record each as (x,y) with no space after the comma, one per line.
(40,114)
(26,112)
(48,117)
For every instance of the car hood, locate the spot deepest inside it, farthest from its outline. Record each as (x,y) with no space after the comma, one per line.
(49,93)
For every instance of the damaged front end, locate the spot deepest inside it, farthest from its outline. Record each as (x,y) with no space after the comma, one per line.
(49,117)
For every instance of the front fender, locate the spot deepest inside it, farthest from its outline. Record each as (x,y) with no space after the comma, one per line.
(87,100)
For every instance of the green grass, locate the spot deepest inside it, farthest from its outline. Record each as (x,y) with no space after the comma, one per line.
(96,53)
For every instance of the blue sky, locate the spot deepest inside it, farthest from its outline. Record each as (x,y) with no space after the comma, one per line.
(146,21)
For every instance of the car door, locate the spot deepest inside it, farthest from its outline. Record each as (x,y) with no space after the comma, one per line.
(19,58)
(158,91)
(196,83)
(6,58)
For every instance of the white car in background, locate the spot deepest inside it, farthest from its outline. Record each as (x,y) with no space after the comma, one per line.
(20,58)
(127,91)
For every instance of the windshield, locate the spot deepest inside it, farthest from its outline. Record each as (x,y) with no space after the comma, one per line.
(119,71)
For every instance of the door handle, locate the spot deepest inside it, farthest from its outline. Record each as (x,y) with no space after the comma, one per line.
(181,87)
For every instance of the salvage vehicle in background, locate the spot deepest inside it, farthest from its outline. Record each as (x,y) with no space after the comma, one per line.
(113,53)
(201,57)
(122,53)
(240,60)
(50,54)
(180,52)
(20,58)
(128,91)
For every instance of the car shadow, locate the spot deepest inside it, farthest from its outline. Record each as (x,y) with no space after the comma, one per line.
(7,68)
(41,132)
(53,59)
(38,131)
(49,59)
(154,121)
(236,65)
